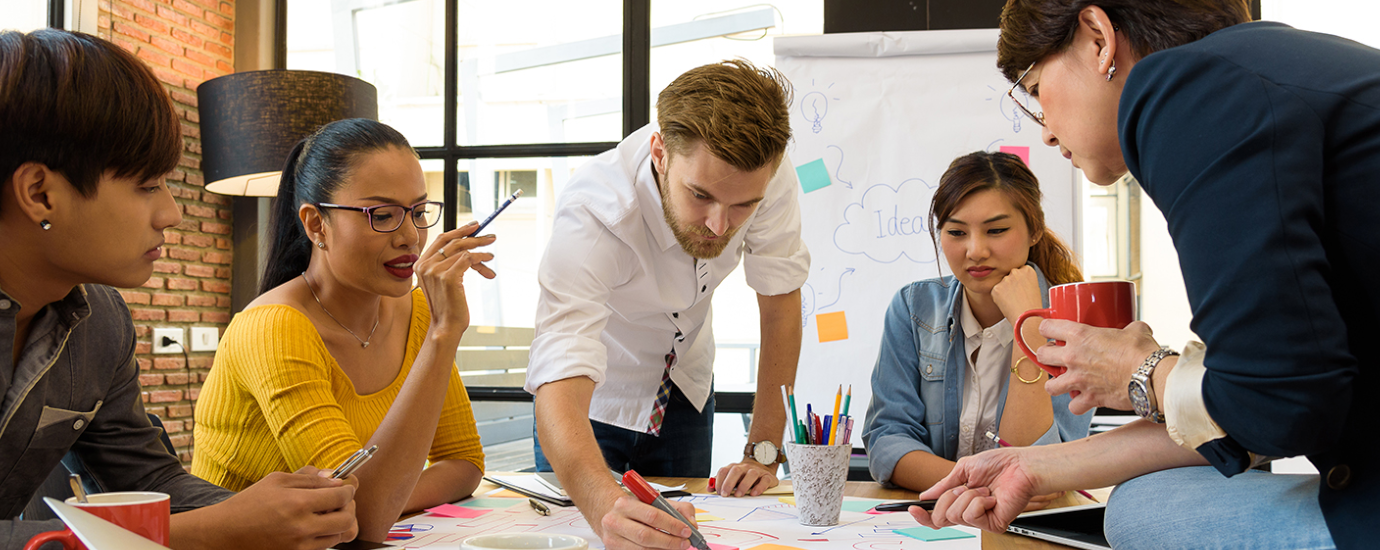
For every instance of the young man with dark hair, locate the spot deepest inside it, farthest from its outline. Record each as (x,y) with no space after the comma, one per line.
(622,362)
(86,136)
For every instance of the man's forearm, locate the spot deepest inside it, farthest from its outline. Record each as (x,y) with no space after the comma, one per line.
(781,333)
(567,440)
(1130,451)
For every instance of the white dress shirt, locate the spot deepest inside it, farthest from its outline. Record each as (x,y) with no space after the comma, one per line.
(985,376)
(618,292)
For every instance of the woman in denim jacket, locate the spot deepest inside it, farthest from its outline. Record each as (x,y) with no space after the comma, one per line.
(946,371)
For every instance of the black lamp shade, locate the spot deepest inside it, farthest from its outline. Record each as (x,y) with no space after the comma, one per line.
(251,120)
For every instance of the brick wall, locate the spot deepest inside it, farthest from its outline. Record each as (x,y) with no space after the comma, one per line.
(185,42)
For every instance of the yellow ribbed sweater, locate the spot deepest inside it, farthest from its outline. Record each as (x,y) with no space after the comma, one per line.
(276,400)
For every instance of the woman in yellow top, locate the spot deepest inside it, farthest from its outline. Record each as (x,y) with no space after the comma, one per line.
(339,352)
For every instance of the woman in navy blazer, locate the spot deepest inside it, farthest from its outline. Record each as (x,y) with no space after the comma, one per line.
(1261,145)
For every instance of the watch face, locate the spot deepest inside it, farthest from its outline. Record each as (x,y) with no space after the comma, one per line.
(1139,399)
(764,452)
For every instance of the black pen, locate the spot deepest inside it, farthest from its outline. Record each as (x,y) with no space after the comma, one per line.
(903,506)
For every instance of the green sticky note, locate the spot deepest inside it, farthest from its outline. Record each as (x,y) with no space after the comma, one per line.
(930,535)
(813,175)
(492,503)
(861,505)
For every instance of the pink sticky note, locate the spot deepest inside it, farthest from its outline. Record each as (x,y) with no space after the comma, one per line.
(713,546)
(1023,152)
(453,511)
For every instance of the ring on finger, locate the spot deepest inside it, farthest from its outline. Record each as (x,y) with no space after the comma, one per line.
(443,253)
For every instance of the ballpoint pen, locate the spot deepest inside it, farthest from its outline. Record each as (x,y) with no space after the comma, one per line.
(1003,443)
(538,507)
(354,462)
(645,493)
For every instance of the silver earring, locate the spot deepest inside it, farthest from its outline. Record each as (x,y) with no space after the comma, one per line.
(321,244)
(45,224)
(1111,72)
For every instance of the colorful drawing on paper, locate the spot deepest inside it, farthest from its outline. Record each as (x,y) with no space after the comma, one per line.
(753,523)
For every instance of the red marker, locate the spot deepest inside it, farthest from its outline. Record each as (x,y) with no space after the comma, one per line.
(645,493)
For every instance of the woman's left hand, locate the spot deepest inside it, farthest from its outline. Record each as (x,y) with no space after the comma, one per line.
(1018,293)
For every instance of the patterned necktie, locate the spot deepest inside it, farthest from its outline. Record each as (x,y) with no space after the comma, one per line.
(663,395)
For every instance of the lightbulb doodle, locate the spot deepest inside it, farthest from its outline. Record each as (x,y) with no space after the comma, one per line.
(1009,110)
(814,106)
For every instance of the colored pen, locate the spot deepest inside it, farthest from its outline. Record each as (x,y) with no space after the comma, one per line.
(1003,443)
(847,399)
(828,437)
(354,462)
(645,493)
(838,398)
(790,395)
(500,208)
(786,402)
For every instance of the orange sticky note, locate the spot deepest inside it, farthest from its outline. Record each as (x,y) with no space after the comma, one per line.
(832,326)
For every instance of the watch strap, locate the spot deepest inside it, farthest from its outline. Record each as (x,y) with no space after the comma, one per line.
(1145,374)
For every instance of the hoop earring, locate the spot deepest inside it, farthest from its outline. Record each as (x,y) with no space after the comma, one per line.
(1111,72)
(45,224)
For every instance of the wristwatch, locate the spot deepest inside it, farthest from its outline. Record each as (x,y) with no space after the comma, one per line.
(765,452)
(1142,390)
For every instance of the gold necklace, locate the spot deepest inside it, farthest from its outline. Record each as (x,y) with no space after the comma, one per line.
(363,343)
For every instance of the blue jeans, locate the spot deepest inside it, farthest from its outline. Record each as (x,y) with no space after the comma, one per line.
(1200,508)
(683,449)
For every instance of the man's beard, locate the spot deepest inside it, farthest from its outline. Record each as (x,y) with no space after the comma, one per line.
(687,234)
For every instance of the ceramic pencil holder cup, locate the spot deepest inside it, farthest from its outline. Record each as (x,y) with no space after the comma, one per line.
(818,473)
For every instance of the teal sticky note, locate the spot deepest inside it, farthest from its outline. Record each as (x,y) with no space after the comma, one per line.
(930,535)
(492,503)
(813,175)
(862,505)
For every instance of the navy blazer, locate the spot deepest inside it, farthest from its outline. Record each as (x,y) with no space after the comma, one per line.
(1261,145)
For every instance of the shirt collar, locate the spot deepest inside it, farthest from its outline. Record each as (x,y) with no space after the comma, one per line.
(972,329)
(70,309)
(649,200)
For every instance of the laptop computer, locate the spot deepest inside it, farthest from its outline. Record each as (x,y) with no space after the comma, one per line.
(1076,526)
(97,533)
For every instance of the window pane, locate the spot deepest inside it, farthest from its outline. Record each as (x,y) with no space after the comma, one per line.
(396,46)
(686,35)
(540,71)
(23,15)
(523,229)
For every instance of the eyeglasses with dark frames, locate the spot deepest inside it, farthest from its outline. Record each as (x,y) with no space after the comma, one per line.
(387,218)
(1039,117)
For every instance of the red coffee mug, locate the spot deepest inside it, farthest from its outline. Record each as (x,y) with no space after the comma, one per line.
(145,514)
(1106,304)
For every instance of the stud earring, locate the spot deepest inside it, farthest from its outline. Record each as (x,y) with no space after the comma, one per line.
(45,224)
(321,244)
(1111,72)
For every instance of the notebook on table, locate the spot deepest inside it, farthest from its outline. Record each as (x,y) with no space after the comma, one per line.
(1076,526)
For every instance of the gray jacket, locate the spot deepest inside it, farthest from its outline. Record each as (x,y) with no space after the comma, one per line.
(76,387)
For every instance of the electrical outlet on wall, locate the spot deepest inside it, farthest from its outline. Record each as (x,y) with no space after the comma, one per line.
(205,338)
(176,334)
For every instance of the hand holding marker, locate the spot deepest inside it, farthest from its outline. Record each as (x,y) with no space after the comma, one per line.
(645,493)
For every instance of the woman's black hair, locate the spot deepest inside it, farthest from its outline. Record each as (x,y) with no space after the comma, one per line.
(316,168)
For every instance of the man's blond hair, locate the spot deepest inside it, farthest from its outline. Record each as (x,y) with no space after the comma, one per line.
(739,111)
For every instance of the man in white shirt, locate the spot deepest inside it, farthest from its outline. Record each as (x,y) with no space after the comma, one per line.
(622,362)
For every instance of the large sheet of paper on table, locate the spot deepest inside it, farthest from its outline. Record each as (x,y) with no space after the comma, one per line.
(877,118)
(745,523)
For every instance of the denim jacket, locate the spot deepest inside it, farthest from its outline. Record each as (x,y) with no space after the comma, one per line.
(76,387)
(917,384)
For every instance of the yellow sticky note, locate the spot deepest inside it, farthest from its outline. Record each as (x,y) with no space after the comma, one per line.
(486,330)
(782,489)
(832,326)
(701,518)
(786,500)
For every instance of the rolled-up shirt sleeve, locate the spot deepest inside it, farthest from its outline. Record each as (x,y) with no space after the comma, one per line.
(1236,163)
(776,260)
(896,415)
(584,261)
